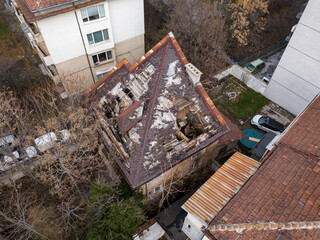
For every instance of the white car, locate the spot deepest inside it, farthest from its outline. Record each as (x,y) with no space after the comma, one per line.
(267,124)
(48,140)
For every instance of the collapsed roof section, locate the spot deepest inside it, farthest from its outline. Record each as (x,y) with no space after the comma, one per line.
(155,113)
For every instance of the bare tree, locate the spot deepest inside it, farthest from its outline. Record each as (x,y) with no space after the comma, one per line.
(247,20)
(200,29)
(66,170)
(15,212)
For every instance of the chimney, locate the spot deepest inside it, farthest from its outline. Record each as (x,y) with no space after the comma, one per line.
(194,73)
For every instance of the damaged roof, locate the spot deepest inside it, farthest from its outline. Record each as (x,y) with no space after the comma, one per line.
(153,115)
(285,191)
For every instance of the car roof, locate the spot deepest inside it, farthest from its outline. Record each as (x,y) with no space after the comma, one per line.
(256,62)
(275,124)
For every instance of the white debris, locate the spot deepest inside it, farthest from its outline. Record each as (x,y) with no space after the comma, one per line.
(152,144)
(173,76)
(164,103)
(172,68)
(134,135)
(173,80)
(162,119)
(154,164)
(137,113)
(116,90)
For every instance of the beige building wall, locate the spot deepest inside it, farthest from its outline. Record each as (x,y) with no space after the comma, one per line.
(75,74)
(131,49)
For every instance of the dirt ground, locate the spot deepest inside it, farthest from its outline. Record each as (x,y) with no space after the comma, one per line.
(18,61)
(231,91)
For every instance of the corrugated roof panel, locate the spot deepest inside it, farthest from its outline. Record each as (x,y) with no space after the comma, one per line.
(213,195)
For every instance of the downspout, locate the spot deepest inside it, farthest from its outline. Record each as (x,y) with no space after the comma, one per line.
(84,46)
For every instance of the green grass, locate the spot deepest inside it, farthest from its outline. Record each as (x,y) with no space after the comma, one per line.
(248,103)
(4,31)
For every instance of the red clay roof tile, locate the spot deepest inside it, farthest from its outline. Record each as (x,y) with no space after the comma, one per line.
(285,188)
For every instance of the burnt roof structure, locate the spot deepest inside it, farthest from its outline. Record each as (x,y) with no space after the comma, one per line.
(156,113)
(282,199)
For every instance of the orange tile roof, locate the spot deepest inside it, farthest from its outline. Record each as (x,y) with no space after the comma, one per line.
(286,187)
(213,195)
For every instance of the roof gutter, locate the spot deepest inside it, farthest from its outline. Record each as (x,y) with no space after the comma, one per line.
(53,7)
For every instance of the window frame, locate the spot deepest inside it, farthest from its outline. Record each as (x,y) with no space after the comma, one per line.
(103,36)
(102,73)
(87,14)
(107,58)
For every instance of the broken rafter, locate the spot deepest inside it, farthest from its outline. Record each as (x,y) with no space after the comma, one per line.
(115,142)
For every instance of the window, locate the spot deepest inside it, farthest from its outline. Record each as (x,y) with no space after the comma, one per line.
(98,36)
(100,75)
(157,189)
(92,13)
(101,57)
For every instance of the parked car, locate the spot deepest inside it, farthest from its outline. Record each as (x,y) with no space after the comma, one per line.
(254,66)
(48,140)
(267,124)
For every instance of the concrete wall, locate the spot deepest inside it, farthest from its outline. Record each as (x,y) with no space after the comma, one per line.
(127,19)
(153,232)
(296,80)
(249,79)
(131,49)
(192,227)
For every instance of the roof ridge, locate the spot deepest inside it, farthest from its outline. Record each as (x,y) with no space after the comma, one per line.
(150,115)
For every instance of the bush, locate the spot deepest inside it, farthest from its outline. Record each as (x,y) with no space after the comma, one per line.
(115,212)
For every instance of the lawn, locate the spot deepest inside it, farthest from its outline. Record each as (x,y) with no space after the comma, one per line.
(246,105)
(4,31)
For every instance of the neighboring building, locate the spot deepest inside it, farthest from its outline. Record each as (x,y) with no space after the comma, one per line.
(281,200)
(213,195)
(296,80)
(79,41)
(157,120)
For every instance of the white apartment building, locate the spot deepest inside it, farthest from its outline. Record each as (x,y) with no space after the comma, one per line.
(81,40)
(296,80)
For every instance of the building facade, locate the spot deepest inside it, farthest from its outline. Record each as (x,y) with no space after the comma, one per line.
(80,41)
(296,80)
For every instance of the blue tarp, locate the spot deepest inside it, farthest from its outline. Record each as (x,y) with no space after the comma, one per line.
(250,133)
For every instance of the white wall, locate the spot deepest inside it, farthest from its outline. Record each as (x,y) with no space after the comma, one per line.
(249,79)
(62,35)
(96,25)
(194,232)
(296,80)
(127,19)
(153,232)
